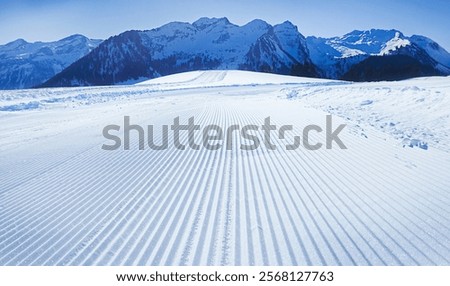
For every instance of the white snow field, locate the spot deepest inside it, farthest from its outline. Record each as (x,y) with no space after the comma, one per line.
(385,200)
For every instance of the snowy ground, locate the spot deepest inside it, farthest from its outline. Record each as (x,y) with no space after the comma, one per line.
(65,201)
(410,110)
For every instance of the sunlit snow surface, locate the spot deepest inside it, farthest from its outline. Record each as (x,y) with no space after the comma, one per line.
(65,201)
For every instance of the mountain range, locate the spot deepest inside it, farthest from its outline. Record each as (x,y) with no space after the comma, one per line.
(24,65)
(215,43)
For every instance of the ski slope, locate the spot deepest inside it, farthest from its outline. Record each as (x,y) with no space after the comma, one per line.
(65,201)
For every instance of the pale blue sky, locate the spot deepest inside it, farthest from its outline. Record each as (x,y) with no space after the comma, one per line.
(50,20)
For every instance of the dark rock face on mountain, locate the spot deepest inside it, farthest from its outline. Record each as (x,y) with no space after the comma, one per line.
(392,67)
(117,59)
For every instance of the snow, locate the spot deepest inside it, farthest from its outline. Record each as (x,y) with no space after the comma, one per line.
(437,52)
(217,38)
(334,56)
(205,22)
(370,42)
(291,41)
(223,78)
(65,201)
(413,109)
(394,44)
(24,64)
(348,52)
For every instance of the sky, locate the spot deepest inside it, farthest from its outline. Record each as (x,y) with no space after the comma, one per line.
(49,20)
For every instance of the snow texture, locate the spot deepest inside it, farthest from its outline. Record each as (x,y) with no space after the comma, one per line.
(65,201)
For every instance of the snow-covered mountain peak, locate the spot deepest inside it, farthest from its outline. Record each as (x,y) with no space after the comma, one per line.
(16,43)
(286,26)
(214,38)
(256,24)
(24,64)
(370,36)
(371,42)
(172,29)
(335,56)
(206,22)
(394,44)
(289,33)
(291,41)
(437,52)
(74,37)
